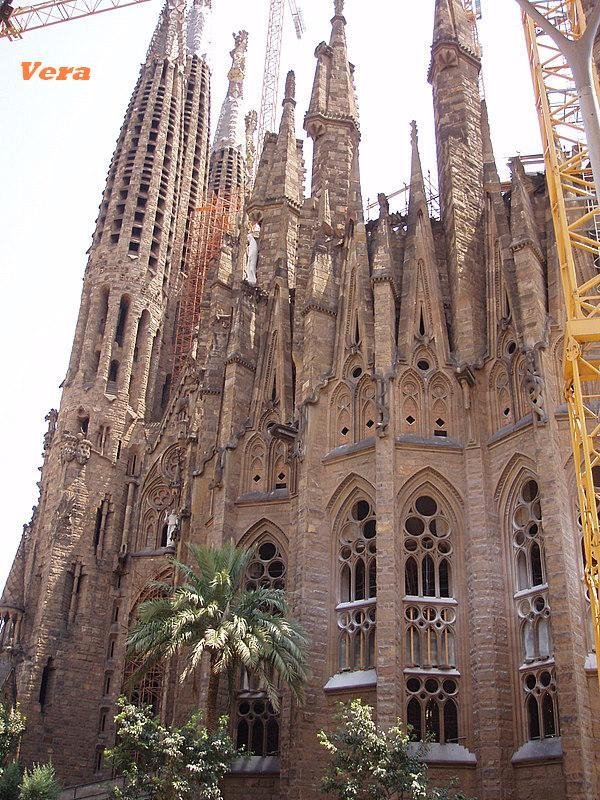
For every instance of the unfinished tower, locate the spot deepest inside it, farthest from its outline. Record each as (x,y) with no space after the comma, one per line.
(375,407)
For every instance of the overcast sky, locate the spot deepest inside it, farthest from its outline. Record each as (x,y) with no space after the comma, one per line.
(57,138)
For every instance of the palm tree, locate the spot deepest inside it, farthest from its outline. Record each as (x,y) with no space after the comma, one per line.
(212,612)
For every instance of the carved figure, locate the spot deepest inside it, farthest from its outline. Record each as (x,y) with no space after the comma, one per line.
(252,256)
(172,521)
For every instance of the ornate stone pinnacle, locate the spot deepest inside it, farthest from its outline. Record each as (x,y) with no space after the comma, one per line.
(290,87)
(414,132)
(338,8)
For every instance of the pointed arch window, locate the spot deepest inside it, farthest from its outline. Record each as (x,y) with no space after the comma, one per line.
(147,690)
(430,620)
(533,612)
(432,709)
(357,588)
(439,408)
(411,404)
(528,544)
(541,704)
(256,721)
(428,549)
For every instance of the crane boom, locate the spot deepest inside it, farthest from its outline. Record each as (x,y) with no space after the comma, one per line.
(15,22)
(567,130)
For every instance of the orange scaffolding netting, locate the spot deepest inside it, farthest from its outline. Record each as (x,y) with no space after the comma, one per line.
(212,221)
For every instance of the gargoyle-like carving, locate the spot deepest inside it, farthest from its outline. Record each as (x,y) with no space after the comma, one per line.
(74,446)
(533,383)
(52,419)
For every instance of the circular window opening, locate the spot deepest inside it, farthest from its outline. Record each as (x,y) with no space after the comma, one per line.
(423,365)
(266,551)
(426,505)
(510,348)
(356,372)
(361,510)
(413,685)
(530,682)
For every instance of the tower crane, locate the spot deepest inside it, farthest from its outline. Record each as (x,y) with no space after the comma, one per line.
(270,87)
(15,21)
(559,45)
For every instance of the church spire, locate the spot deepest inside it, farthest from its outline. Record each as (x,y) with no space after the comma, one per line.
(284,178)
(230,127)
(167,40)
(452,24)
(418,197)
(332,122)
(198,21)
(422,319)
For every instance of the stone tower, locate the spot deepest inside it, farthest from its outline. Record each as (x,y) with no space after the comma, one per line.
(72,552)
(376,408)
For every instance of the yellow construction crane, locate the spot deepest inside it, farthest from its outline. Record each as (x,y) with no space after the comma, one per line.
(559,44)
(14,22)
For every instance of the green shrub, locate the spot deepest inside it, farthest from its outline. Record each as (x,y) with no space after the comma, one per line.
(39,783)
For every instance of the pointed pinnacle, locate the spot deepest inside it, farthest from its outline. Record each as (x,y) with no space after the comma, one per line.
(417,185)
(338,8)
(444,26)
(290,88)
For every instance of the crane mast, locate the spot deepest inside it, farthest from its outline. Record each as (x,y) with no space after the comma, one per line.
(270,87)
(16,21)
(557,42)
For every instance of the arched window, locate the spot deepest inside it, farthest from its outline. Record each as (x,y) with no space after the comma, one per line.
(502,401)
(353,410)
(532,609)
(541,708)
(113,376)
(428,549)
(147,690)
(411,405)
(440,412)
(431,709)
(256,722)
(430,616)
(341,425)
(357,588)
(256,478)
(528,545)
(430,636)
(366,410)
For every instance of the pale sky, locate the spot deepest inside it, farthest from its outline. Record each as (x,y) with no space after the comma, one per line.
(57,138)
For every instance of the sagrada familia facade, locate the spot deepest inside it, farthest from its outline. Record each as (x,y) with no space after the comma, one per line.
(376,407)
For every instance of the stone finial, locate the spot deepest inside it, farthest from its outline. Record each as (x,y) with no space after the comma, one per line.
(384,205)
(290,87)
(414,133)
(338,8)
(230,127)
(238,56)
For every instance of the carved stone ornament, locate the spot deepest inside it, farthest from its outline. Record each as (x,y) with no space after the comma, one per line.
(52,419)
(75,446)
(533,383)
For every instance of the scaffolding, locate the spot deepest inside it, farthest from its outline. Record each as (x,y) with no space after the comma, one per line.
(210,224)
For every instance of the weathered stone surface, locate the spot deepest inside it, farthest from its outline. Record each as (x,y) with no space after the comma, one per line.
(365,368)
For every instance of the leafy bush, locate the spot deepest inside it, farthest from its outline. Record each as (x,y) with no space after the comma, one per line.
(368,764)
(10,778)
(168,763)
(39,783)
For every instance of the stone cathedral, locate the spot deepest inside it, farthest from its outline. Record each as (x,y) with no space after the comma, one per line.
(375,407)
